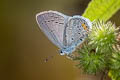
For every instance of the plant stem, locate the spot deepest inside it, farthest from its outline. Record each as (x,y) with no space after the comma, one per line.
(104,75)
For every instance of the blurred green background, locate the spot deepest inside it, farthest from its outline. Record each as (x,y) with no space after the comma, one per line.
(23,47)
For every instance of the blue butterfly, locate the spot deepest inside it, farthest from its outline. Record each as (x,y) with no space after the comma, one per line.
(66,32)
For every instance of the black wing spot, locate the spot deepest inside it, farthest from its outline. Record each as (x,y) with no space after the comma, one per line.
(55,17)
(52,20)
(64,48)
(65,35)
(56,22)
(61,23)
(48,21)
(78,33)
(72,38)
(52,30)
(80,39)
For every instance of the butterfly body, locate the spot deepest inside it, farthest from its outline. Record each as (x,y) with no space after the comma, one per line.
(64,31)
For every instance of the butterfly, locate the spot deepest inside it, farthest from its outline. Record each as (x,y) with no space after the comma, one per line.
(66,32)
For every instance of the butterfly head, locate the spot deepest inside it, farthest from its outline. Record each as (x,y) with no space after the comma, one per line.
(61,52)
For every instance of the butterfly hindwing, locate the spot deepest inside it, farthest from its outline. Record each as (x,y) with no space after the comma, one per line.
(76,31)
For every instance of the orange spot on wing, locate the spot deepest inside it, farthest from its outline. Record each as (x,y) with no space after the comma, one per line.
(84,26)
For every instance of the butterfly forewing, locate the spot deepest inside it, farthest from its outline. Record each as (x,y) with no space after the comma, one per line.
(52,23)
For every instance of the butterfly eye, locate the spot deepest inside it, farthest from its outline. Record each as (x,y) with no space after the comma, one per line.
(60,51)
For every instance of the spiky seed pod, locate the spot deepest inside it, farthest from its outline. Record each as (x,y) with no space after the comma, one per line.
(90,61)
(103,36)
(93,55)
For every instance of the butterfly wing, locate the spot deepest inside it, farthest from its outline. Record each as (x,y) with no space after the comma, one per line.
(52,23)
(76,31)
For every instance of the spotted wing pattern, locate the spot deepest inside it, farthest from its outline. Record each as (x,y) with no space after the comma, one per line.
(52,23)
(76,31)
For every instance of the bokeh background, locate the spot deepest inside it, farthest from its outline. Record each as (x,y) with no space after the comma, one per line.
(23,47)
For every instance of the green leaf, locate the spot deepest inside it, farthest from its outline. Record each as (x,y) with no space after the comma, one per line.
(101,9)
